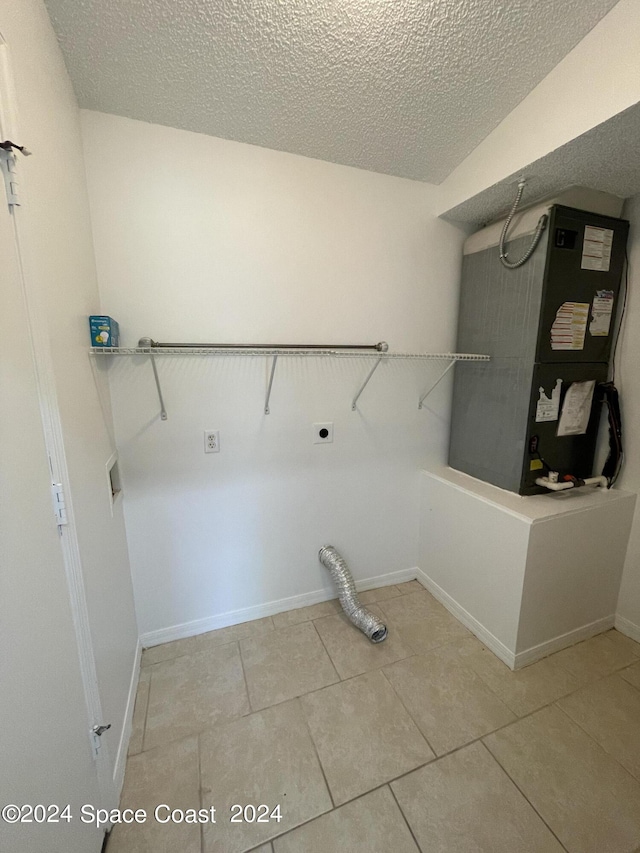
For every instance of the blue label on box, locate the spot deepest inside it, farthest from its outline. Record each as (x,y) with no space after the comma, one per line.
(105,331)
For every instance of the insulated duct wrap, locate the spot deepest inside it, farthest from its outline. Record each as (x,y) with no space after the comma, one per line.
(369,624)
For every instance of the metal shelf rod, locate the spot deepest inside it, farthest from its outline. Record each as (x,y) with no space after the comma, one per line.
(381,346)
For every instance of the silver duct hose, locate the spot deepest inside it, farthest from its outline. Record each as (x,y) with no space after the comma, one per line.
(369,624)
(504,260)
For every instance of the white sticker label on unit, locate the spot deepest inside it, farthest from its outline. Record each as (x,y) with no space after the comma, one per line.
(596,248)
(570,326)
(548,408)
(576,409)
(601,312)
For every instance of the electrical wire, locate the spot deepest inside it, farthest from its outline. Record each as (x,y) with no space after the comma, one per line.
(542,222)
(616,458)
(543,460)
(622,313)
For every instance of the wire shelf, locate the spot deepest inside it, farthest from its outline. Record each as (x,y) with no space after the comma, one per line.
(274,353)
(288,353)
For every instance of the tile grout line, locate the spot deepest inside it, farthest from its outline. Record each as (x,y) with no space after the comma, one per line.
(308,692)
(409,714)
(199,749)
(201,651)
(204,634)
(337,808)
(620,671)
(526,799)
(326,650)
(404,817)
(302,621)
(246,683)
(267,843)
(146,716)
(592,738)
(317,754)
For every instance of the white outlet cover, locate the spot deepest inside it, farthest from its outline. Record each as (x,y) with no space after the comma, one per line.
(212,441)
(320,439)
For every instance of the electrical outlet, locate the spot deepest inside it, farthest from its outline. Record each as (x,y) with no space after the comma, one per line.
(322,433)
(212,441)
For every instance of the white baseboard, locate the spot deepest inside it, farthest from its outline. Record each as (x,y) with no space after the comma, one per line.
(556,644)
(628,628)
(259,611)
(528,656)
(490,641)
(127,723)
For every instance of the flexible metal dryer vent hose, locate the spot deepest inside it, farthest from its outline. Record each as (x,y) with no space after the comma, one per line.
(369,624)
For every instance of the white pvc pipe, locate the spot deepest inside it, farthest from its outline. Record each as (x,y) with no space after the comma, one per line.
(562,487)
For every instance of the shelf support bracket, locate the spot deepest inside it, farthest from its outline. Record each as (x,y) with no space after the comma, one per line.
(273,372)
(364,384)
(163,411)
(437,382)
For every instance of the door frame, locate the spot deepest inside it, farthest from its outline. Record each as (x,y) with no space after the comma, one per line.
(54,435)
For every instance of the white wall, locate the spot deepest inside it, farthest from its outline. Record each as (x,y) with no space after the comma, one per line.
(60,270)
(201,239)
(629,387)
(598,79)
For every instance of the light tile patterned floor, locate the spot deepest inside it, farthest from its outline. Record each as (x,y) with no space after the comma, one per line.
(426,742)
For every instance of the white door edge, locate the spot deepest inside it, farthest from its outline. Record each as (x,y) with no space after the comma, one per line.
(54,439)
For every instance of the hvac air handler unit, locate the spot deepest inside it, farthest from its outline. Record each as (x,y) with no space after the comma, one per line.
(548,326)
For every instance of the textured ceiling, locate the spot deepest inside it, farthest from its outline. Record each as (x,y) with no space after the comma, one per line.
(605,158)
(405,87)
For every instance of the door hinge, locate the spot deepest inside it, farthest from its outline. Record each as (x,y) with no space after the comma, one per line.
(95,743)
(9,171)
(59,507)
(8,168)
(95,734)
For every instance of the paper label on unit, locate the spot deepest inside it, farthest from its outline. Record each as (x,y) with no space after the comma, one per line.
(576,408)
(570,326)
(596,248)
(548,408)
(536,465)
(601,312)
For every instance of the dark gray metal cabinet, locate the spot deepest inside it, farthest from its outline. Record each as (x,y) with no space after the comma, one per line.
(546,325)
